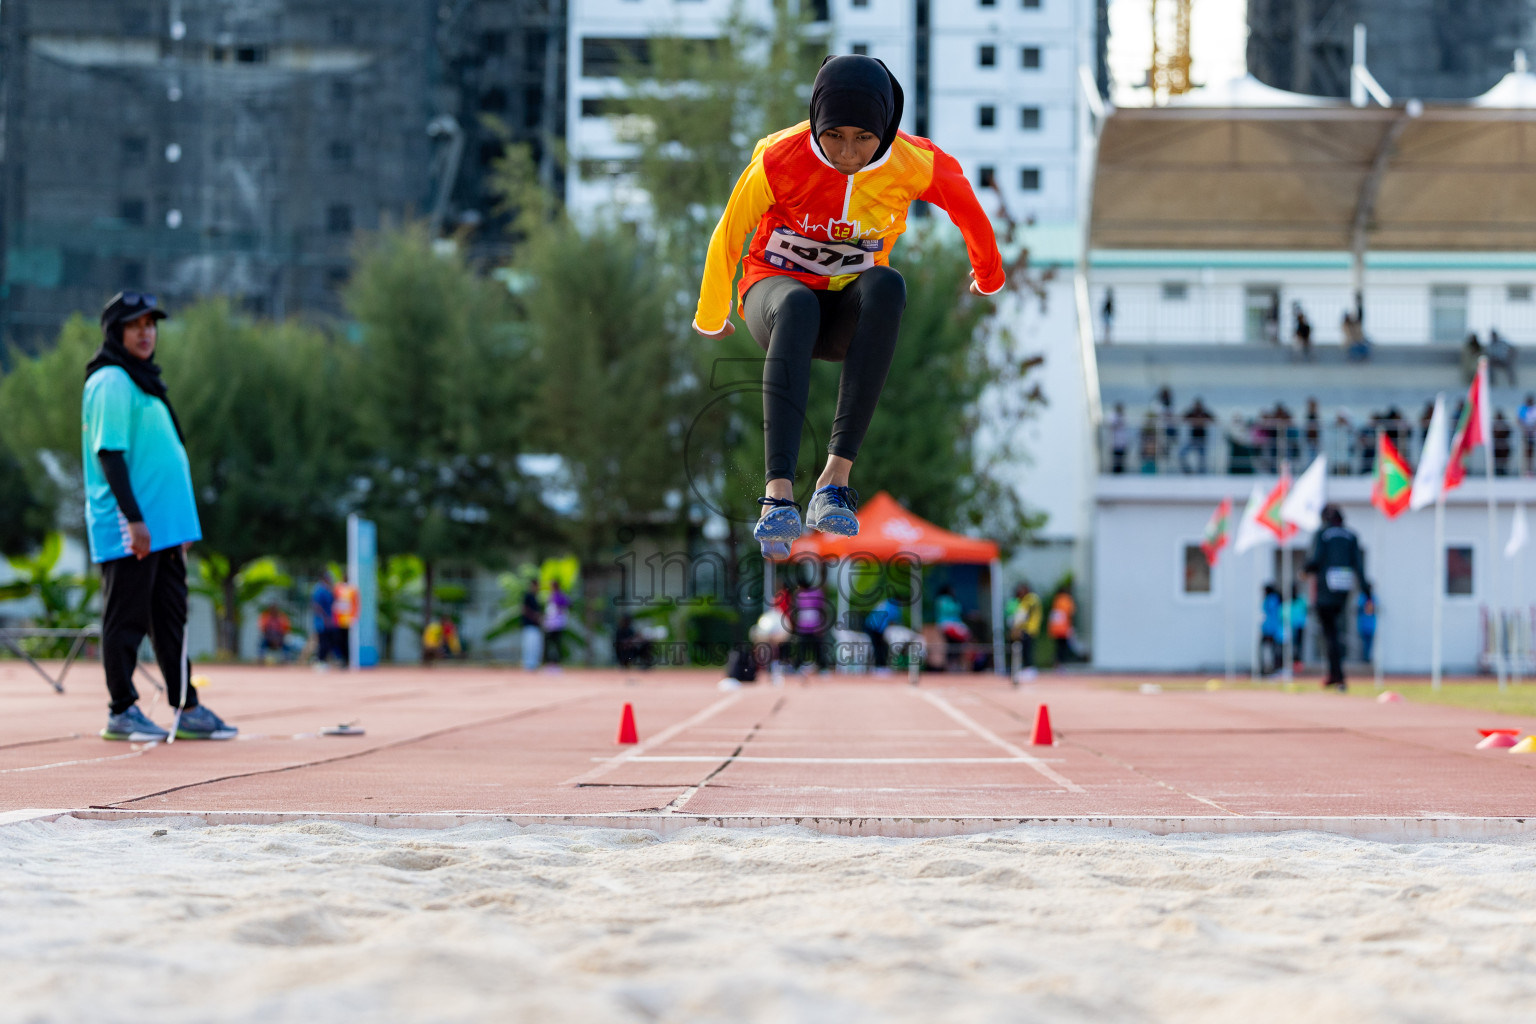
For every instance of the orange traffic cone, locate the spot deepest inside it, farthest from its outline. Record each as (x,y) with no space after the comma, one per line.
(1042,736)
(627,731)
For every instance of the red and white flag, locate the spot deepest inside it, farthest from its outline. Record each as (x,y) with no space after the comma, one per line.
(1475,428)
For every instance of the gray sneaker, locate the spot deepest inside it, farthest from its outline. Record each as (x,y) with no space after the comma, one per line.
(201,724)
(134,726)
(832,511)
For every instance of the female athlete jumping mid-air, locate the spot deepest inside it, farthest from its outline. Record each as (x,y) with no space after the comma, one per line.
(827,200)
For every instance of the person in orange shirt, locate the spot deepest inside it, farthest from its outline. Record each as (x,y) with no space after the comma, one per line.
(824,203)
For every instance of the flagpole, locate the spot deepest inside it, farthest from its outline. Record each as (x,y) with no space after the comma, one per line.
(1439,602)
(1285,611)
(1517,657)
(1496,620)
(1254,613)
(1227,608)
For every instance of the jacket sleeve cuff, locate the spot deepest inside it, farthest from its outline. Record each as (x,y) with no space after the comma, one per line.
(712,334)
(1002,281)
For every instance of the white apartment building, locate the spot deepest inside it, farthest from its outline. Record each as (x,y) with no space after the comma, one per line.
(993,82)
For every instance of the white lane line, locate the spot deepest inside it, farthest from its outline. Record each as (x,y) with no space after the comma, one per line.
(993,738)
(89,760)
(750,759)
(609,764)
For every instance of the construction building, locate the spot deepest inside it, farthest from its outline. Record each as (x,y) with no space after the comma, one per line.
(218,147)
(1423,49)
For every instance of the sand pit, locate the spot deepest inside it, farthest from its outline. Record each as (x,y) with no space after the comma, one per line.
(323,921)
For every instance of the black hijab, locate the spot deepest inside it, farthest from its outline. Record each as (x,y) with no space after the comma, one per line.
(145,373)
(858,91)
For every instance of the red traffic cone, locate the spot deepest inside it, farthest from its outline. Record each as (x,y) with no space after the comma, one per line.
(627,731)
(1042,736)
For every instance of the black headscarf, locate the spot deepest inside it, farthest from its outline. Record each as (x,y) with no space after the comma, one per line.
(145,373)
(858,91)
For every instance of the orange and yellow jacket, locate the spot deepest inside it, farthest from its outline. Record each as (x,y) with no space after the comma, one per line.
(822,227)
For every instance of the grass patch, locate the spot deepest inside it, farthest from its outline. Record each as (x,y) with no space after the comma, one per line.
(1514,700)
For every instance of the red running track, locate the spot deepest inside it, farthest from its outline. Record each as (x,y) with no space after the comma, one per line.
(501,741)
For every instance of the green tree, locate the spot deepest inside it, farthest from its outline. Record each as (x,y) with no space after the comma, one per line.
(41,399)
(268,437)
(65,597)
(442,385)
(233,592)
(616,382)
(398,597)
(24,518)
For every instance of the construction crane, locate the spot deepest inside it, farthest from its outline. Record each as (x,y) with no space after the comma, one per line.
(1169,73)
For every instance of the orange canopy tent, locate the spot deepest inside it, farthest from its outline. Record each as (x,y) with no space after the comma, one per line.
(887,532)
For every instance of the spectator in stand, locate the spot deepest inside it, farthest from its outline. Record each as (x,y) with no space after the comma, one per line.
(1242,453)
(1170,422)
(1287,436)
(557,611)
(1199,419)
(1344,424)
(1501,356)
(1365,444)
(1365,625)
(1150,432)
(274,626)
(1356,347)
(1302,332)
(1528,432)
(1471,352)
(1272,320)
(1503,443)
(1313,431)
(1107,312)
(1119,438)
(1427,414)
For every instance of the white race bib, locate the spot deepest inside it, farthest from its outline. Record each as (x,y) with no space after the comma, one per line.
(807,255)
(1340,580)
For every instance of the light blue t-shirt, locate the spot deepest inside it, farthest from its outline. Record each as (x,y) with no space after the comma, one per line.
(116,416)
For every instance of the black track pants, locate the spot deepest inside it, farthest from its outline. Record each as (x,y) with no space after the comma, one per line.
(140,596)
(1329,616)
(795,324)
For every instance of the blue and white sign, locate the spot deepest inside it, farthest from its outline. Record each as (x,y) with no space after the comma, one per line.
(363,573)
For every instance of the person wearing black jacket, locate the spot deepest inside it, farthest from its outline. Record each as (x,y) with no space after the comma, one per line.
(1337,567)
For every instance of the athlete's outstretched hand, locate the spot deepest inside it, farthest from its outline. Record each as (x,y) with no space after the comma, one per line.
(724,332)
(975,288)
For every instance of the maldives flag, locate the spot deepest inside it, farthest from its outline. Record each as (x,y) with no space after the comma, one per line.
(1216,531)
(1392,486)
(1269,514)
(1474,428)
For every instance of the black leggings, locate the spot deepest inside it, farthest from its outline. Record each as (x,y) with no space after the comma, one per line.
(795,324)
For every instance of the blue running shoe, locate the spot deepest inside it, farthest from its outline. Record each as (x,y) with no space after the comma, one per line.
(201,724)
(134,726)
(832,510)
(778,528)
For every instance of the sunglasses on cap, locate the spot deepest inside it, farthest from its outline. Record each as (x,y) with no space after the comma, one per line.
(137,299)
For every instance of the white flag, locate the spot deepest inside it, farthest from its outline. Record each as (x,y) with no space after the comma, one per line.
(1250,533)
(1518,534)
(1430,477)
(1304,505)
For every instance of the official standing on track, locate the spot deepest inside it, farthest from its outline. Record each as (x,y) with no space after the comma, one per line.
(140,518)
(1337,567)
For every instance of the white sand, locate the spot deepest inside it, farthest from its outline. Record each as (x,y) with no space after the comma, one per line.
(324,922)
